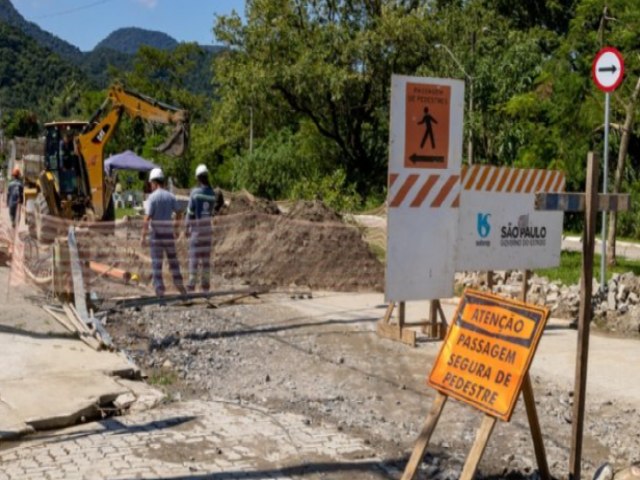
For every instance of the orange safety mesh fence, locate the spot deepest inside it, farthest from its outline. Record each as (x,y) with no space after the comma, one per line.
(259,247)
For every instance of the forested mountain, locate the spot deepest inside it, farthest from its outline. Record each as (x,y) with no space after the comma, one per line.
(116,53)
(9,15)
(129,40)
(29,73)
(97,63)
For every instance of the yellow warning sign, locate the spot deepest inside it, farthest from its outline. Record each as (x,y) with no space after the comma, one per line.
(488,351)
(427,126)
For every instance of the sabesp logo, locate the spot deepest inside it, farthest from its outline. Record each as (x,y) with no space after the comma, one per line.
(484,228)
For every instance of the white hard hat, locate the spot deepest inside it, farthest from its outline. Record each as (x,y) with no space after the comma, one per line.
(201,170)
(156,174)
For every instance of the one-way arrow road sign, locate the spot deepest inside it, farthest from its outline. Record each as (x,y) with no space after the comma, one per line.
(608,69)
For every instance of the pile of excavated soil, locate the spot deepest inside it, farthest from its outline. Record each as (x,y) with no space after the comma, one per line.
(245,202)
(313,211)
(308,247)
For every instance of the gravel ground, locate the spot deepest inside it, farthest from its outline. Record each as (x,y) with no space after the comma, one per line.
(339,372)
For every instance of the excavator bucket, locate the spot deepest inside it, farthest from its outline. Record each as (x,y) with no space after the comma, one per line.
(177,142)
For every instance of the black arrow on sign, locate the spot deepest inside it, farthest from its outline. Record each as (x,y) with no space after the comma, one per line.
(415,158)
(611,69)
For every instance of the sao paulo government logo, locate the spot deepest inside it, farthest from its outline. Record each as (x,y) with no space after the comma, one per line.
(484,228)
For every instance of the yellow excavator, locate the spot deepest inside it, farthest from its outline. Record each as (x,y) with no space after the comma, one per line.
(73,184)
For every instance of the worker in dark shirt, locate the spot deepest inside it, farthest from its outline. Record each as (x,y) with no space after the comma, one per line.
(15,195)
(203,205)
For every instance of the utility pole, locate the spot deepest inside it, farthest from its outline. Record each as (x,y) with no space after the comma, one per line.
(470,108)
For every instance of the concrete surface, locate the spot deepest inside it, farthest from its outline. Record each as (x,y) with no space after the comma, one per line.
(48,379)
(53,382)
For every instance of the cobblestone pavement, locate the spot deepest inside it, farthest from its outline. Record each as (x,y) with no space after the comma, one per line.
(216,440)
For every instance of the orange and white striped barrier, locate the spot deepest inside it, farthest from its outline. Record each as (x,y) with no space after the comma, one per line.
(418,190)
(487,178)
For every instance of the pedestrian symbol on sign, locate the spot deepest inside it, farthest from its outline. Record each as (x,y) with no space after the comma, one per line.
(427,120)
(427,126)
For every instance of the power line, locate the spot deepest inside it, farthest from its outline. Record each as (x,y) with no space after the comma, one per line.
(73,10)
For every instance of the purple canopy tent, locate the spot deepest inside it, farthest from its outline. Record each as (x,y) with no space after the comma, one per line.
(127,161)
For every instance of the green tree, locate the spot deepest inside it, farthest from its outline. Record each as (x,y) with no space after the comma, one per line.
(21,123)
(323,61)
(162,75)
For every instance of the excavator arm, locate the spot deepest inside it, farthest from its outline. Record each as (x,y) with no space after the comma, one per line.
(92,141)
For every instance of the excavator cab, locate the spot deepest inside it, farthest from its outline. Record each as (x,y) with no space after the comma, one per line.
(73,184)
(64,180)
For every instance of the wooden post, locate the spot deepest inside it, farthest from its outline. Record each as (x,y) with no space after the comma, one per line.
(401,317)
(433,318)
(526,276)
(478,448)
(398,332)
(582,354)
(424,437)
(490,281)
(443,322)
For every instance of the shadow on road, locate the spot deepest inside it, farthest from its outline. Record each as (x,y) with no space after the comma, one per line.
(110,426)
(375,469)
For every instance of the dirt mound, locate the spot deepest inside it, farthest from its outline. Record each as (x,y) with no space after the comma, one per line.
(313,211)
(246,203)
(284,251)
(309,247)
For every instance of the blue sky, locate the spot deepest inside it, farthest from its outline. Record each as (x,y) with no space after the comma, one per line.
(85,22)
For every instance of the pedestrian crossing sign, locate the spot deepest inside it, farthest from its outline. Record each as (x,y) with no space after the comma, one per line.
(427,113)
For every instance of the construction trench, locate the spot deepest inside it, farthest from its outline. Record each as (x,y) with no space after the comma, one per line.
(288,327)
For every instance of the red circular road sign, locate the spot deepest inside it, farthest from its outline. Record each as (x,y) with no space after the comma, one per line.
(608,69)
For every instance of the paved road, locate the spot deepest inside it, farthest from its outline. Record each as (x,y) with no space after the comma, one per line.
(570,243)
(216,440)
(223,440)
(623,249)
(613,362)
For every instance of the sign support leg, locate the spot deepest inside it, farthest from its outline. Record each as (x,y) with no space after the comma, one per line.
(443,322)
(536,431)
(401,317)
(432,328)
(398,332)
(490,281)
(584,320)
(389,312)
(530,405)
(478,448)
(424,437)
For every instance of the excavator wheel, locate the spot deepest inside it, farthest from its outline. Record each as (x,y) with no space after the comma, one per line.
(45,226)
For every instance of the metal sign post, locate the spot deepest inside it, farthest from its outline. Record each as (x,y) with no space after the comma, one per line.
(603,253)
(607,72)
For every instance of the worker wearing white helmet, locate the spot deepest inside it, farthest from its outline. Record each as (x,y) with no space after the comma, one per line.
(204,203)
(161,206)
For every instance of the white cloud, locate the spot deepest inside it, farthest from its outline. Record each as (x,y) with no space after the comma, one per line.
(148,3)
